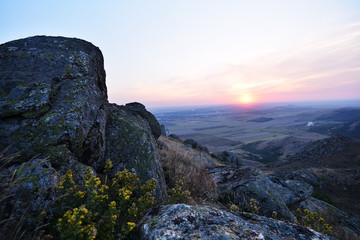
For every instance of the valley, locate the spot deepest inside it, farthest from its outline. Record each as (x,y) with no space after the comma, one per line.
(263,133)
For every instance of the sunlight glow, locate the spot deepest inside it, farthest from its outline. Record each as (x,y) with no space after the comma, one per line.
(246,99)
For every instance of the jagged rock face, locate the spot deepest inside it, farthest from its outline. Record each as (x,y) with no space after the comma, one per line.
(130,144)
(53,98)
(240,185)
(53,101)
(138,108)
(201,222)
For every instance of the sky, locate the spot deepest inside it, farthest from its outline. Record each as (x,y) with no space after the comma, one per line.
(205,52)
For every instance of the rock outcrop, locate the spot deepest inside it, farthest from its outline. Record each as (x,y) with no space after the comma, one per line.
(228,157)
(138,108)
(201,222)
(130,144)
(240,185)
(53,96)
(193,144)
(53,102)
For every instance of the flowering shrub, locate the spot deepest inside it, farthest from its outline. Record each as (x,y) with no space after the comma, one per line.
(311,219)
(254,206)
(102,211)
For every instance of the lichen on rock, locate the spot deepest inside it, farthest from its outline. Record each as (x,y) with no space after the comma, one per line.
(53,102)
(183,221)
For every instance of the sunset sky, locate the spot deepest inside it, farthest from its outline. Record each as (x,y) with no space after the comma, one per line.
(203,52)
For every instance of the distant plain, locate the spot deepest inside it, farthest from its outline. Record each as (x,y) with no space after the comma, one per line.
(258,132)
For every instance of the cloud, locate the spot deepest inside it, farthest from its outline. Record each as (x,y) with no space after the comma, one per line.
(324,69)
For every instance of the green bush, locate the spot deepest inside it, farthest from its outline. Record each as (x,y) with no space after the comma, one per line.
(99,210)
(311,219)
(254,206)
(178,195)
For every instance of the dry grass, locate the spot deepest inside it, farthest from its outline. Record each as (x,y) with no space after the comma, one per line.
(184,164)
(14,220)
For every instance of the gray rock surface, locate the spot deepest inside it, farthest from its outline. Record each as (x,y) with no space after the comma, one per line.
(164,130)
(193,144)
(293,190)
(53,102)
(53,96)
(130,144)
(228,157)
(182,221)
(240,185)
(138,108)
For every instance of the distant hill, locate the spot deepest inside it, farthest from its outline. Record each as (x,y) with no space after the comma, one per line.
(337,151)
(342,115)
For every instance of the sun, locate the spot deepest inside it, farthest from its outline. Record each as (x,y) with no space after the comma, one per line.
(246,98)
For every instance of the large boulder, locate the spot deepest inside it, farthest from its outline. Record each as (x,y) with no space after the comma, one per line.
(130,144)
(53,99)
(202,222)
(53,102)
(240,185)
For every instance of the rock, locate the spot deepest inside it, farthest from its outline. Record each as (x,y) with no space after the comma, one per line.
(195,145)
(53,102)
(305,175)
(174,136)
(182,221)
(53,99)
(204,156)
(345,226)
(191,143)
(293,190)
(228,157)
(130,144)
(240,185)
(138,108)
(164,131)
(26,190)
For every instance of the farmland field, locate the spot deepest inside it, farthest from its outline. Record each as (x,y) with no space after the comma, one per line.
(258,131)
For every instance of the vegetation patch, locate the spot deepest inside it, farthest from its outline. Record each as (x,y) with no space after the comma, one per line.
(101,209)
(313,220)
(186,176)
